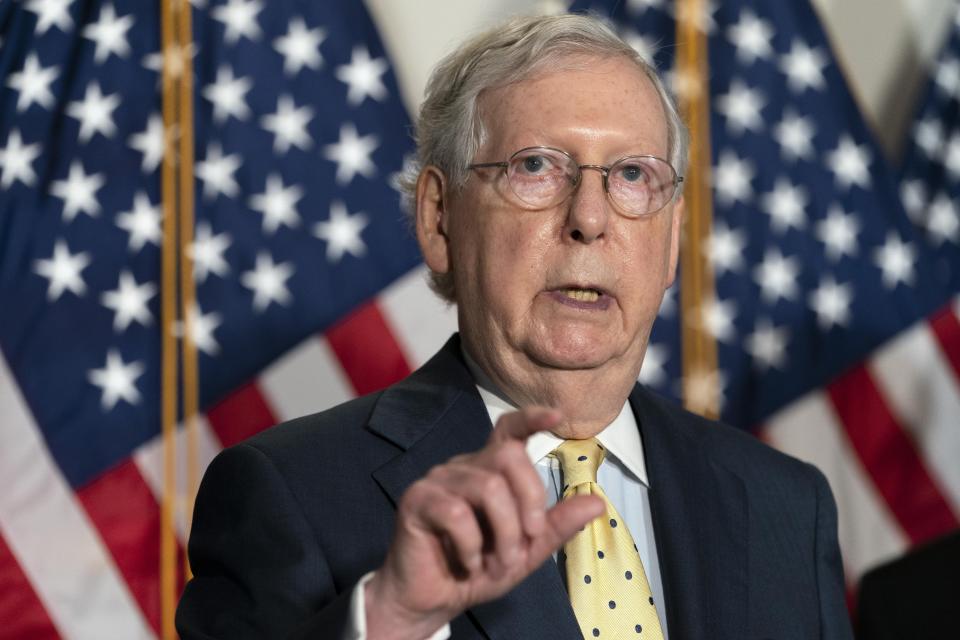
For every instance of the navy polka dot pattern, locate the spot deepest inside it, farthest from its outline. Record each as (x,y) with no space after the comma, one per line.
(605,578)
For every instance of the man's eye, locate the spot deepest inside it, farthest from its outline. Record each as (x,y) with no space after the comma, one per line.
(535,164)
(633,173)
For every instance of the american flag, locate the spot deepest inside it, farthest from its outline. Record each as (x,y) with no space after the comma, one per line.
(930,171)
(308,291)
(836,335)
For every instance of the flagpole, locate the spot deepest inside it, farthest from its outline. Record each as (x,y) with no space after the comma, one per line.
(701,392)
(188,306)
(168,300)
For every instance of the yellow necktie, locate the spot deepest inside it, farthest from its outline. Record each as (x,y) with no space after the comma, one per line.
(605,578)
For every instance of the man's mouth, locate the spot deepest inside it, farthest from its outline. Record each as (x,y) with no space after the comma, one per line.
(581,295)
(584,297)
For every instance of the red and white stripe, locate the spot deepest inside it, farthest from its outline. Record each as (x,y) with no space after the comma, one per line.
(85,564)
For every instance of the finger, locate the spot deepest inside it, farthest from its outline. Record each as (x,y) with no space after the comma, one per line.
(511,459)
(452,519)
(564,521)
(520,425)
(496,510)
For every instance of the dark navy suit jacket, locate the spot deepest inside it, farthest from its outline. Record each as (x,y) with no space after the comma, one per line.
(288,521)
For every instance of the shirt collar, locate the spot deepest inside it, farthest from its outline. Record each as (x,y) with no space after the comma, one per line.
(621,437)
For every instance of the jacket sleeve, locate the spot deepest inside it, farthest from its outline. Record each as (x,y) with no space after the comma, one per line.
(259,571)
(834,617)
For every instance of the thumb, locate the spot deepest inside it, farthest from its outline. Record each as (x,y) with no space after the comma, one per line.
(565,520)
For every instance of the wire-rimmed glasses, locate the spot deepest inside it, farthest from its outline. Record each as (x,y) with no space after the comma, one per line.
(541,177)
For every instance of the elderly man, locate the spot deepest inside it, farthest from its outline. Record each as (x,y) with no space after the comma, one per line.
(548,209)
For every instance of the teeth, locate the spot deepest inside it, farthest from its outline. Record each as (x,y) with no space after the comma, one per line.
(582,295)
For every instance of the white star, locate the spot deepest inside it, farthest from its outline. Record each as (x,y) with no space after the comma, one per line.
(129,301)
(216,171)
(795,134)
(78,192)
(831,302)
(732,179)
(362,76)
(751,36)
(804,67)
(652,372)
(268,282)
(300,47)
(174,57)
(767,345)
(943,222)
(228,95)
(669,303)
(110,34)
(278,204)
(928,134)
(117,380)
(206,252)
(684,12)
(838,232)
(726,249)
(895,259)
(16,161)
(741,107)
(716,317)
(643,45)
(850,163)
(200,328)
(142,223)
(914,197)
(240,19)
(151,143)
(785,205)
(703,391)
(777,276)
(63,271)
(947,77)
(51,13)
(95,112)
(640,6)
(352,154)
(342,232)
(33,84)
(951,156)
(288,125)
(686,84)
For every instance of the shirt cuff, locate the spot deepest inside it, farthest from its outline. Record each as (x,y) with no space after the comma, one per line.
(357,624)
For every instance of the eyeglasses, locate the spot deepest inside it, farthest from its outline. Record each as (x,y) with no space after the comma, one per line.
(541,177)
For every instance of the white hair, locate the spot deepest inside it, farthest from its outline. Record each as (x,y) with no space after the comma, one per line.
(450,130)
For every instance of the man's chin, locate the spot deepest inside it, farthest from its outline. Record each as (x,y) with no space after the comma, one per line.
(572,355)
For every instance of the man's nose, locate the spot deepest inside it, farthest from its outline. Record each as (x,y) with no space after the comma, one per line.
(589,209)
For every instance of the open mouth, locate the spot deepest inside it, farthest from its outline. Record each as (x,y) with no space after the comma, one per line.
(581,295)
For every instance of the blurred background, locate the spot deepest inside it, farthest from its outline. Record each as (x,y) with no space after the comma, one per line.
(189,258)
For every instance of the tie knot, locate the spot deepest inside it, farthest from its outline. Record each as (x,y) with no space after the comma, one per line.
(579,460)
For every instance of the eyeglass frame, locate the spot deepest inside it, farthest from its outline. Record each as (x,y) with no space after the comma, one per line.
(604,171)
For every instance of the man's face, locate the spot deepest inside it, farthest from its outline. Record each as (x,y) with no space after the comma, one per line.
(523,277)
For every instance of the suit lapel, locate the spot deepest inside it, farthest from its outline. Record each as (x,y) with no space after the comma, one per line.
(700,524)
(432,416)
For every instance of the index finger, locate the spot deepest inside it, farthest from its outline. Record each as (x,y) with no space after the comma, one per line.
(520,425)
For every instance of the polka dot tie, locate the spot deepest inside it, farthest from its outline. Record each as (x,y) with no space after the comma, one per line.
(605,578)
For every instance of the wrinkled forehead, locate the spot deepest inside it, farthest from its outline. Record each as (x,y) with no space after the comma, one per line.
(574,98)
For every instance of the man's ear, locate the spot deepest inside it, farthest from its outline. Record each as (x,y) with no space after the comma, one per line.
(431,219)
(676,230)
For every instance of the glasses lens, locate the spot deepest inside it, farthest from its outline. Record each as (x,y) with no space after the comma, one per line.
(541,177)
(642,184)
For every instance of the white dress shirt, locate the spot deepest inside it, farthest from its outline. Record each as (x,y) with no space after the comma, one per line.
(622,476)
